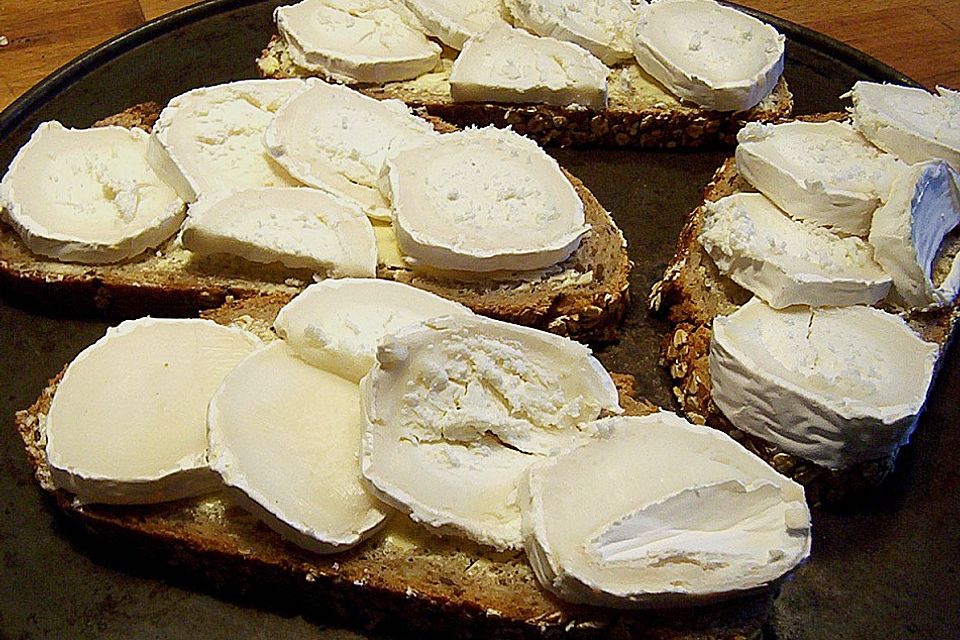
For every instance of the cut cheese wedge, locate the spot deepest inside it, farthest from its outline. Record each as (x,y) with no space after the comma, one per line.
(298,227)
(453,23)
(127,424)
(457,408)
(285,435)
(88,195)
(656,511)
(336,324)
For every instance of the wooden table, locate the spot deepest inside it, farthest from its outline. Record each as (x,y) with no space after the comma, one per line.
(921,38)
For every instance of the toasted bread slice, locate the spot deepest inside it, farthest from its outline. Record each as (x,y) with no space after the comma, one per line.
(640,113)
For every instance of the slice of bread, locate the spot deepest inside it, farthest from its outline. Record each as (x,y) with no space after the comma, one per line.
(583,297)
(403,577)
(640,112)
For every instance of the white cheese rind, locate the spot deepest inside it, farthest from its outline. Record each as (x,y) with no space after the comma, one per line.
(355,41)
(453,23)
(127,424)
(909,230)
(709,54)
(483,200)
(298,227)
(909,122)
(285,435)
(88,195)
(505,64)
(336,324)
(820,383)
(825,172)
(786,261)
(456,409)
(663,513)
(211,138)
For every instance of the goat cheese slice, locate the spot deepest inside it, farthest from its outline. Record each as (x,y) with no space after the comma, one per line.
(127,424)
(456,409)
(285,434)
(914,235)
(211,138)
(839,385)
(825,172)
(355,41)
(88,195)
(909,122)
(786,261)
(483,200)
(693,517)
(336,324)
(602,27)
(715,56)
(336,139)
(453,23)
(510,65)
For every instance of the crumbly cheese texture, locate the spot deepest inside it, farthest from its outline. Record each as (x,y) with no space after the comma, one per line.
(337,139)
(786,261)
(456,409)
(510,65)
(356,41)
(298,227)
(819,382)
(483,200)
(336,325)
(88,195)
(211,138)
(712,55)
(657,512)
(603,27)
(825,172)
(127,424)
(453,23)
(910,230)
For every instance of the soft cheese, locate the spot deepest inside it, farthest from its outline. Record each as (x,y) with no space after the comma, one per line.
(656,511)
(88,195)
(510,65)
(337,324)
(786,261)
(483,200)
(354,41)
(456,409)
(825,172)
(707,53)
(211,138)
(453,23)
(127,424)
(298,227)
(836,386)
(910,234)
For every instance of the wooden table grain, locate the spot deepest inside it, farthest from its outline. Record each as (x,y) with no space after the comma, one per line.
(921,38)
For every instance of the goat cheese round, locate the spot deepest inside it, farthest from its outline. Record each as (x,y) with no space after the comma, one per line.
(483,200)
(88,195)
(909,122)
(786,261)
(285,435)
(456,409)
(656,511)
(707,53)
(833,385)
(298,227)
(336,139)
(127,424)
(825,172)
(453,23)
(355,41)
(337,324)
(913,232)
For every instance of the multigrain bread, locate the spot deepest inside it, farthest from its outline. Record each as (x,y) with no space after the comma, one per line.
(640,112)
(402,578)
(583,297)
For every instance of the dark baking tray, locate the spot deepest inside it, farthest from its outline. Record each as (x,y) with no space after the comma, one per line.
(885,568)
